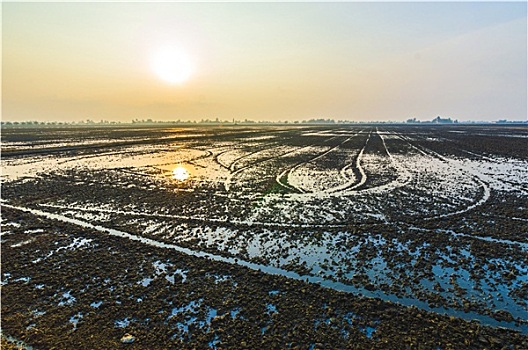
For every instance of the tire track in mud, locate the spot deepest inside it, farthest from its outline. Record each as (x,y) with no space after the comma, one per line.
(217,159)
(345,188)
(97,147)
(486,189)
(75,159)
(231,148)
(249,223)
(208,153)
(230,167)
(287,172)
(253,223)
(363,179)
(491,160)
(251,165)
(404,176)
(272,270)
(191,161)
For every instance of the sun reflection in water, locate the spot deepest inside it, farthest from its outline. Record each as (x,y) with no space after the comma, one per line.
(180,173)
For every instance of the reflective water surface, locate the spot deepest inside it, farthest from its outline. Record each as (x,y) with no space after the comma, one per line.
(180,173)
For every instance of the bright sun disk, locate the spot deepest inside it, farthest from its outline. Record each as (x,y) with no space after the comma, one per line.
(172,64)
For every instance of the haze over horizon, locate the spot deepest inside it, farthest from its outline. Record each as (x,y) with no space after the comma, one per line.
(264,61)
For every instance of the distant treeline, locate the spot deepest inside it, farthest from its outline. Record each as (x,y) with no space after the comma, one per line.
(217,121)
(151,121)
(440,120)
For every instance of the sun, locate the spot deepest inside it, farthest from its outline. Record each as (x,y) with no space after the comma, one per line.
(172,64)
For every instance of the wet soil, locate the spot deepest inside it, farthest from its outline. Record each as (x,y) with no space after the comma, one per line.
(441,237)
(89,295)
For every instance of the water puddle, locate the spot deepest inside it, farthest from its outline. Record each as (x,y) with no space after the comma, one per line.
(278,271)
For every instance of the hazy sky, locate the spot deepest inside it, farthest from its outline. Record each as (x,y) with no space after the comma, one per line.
(265,61)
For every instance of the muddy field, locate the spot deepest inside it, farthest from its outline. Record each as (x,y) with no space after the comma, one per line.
(276,237)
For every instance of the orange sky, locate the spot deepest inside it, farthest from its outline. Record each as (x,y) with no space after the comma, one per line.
(265,61)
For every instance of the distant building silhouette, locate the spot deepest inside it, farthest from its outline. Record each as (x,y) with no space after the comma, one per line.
(437,120)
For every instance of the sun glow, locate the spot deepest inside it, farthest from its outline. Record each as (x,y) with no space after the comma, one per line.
(172,64)
(180,173)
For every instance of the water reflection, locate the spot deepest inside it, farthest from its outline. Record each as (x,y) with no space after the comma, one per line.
(180,173)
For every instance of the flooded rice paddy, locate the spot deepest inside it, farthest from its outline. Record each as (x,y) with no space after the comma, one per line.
(278,237)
